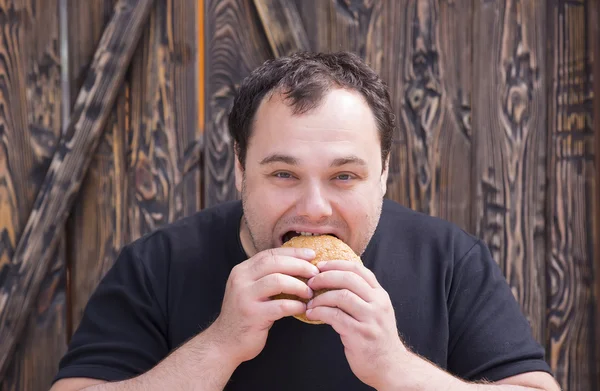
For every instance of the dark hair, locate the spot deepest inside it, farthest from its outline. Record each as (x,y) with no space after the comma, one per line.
(303,79)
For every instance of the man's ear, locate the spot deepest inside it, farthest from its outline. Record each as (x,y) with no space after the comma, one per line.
(238,170)
(384,174)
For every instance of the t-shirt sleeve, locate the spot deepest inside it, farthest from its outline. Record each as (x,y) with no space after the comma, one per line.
(122,331)
(490,338)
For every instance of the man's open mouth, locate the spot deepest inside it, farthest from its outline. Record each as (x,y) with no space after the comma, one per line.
(290,234)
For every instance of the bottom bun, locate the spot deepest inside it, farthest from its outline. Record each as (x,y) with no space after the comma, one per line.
(327,248)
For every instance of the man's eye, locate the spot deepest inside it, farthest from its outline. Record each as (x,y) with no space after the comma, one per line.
(283,175)
(344,177)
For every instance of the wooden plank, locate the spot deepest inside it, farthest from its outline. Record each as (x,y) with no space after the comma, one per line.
(593,30)
(97,225)
(572,347)
(235,45)
(22,279)
(431,91)
(510,145)
(31,127)
(283,26)
(355,26)
(164,132)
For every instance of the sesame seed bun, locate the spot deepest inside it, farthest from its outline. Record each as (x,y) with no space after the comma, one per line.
(327,248)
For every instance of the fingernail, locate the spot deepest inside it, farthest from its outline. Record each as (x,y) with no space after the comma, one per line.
(310,292)
(308,312)
(321,264)
(309,252)
(310,281)
(309,304)
(315,270)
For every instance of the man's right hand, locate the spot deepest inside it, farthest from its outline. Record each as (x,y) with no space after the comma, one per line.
(237,335)
(248,312)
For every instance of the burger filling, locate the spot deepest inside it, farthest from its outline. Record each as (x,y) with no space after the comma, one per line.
(291,234)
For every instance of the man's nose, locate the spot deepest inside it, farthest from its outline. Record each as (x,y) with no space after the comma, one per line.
(314,204)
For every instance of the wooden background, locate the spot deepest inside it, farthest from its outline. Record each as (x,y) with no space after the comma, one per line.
(494,100)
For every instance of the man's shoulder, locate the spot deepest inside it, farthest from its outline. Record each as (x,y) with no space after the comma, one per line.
(212,224)
(411,227)
(397,215)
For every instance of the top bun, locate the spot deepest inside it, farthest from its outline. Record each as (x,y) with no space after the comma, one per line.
(327,248)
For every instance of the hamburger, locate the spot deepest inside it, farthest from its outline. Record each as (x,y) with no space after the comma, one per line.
(327,248)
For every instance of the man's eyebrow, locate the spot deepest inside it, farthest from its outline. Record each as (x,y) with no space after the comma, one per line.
(279,158)
(292,161)
(350,159)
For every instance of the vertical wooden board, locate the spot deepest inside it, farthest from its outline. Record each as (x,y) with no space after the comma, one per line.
(97,225)
(572,346)
(509,131)
(283,26)
(593,33)
(235,45)
(452,195)
(395,46)
(335,25)
(429,77)
(164,132)
(30,127)
(87,20)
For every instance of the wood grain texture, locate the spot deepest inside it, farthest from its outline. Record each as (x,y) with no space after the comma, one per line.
(235,45)
(509,131)
(97,225)
(165,137)
(572,347)
(30,127)
(22,279)
(283,26)
(353,25)
(593,32)
(431,88)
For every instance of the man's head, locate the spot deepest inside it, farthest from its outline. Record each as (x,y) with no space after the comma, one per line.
(312,136)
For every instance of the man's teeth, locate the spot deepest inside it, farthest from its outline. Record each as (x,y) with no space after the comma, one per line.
(307,233)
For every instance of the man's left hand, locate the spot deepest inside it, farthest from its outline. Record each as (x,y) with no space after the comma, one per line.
(361,312)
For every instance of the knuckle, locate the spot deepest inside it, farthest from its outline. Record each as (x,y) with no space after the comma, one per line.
(369,333)
(345,294)
(283,307)
(244,308)
(351,278)
(234,277)
(259,263)
(337,313)
(276,280)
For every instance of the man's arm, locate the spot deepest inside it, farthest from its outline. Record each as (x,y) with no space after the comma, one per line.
(198,364)
(239,333)
(419,374)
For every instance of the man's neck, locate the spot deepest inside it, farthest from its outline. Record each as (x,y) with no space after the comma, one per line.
(246,239)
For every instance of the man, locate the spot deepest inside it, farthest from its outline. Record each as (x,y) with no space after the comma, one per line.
(189,306)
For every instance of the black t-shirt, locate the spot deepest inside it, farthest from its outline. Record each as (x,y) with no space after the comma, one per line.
(452,304)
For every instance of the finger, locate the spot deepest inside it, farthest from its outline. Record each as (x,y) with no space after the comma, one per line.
(296,252)
(276,309)
(337,279)
(355,267)
(341,322)
(345,300)
(277,283)
(275,261)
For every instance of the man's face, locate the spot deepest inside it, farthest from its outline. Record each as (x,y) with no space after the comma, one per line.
(319,172)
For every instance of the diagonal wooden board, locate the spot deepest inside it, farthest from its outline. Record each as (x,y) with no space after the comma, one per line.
(40,238)
(283,26)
